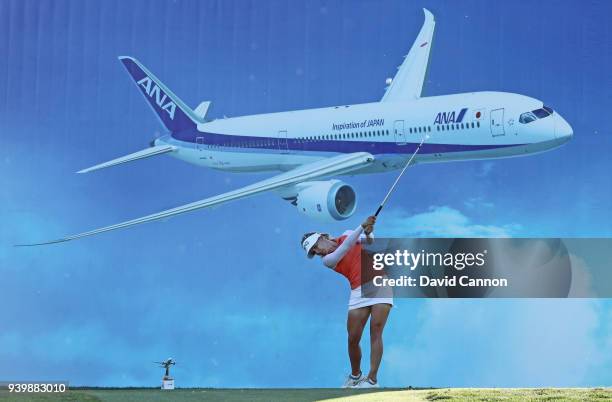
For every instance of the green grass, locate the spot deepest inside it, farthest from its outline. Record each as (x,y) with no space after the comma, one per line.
(330,395)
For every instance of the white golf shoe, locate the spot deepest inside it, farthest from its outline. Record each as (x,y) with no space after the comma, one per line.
(352,381)
(366,382)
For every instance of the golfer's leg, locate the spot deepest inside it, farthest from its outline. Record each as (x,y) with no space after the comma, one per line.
(355,323)
(379,313)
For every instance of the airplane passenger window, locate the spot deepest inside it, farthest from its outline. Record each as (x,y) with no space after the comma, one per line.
(472,124)
(477,124)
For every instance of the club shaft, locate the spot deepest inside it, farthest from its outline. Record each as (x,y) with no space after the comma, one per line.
(382,204)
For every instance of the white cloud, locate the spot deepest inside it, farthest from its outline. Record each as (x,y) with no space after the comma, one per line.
(582,279)
(477,202)
(501,343)
(440,221)
(485,169)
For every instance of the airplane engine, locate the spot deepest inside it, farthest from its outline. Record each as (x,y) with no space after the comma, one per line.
(325,200)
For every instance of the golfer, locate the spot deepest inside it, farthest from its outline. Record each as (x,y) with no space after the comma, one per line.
(343,254)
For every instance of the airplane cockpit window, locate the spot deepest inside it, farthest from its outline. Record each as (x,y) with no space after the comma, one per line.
(542,113)
(527,117)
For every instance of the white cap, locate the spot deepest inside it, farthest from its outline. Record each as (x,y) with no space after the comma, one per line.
(309,243)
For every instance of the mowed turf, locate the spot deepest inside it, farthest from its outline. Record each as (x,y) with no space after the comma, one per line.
(382,395)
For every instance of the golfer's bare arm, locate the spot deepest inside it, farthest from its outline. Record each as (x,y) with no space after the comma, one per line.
(331,259)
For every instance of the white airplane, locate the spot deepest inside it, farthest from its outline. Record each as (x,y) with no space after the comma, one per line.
(311,147)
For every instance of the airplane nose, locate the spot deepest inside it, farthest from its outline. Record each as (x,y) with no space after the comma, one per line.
(563,130)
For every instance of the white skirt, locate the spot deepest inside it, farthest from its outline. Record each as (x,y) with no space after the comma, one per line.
(379,296)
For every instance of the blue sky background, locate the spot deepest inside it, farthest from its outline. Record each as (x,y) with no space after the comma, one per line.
(227,292)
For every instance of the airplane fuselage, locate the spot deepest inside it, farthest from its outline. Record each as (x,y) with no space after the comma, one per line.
(467,126)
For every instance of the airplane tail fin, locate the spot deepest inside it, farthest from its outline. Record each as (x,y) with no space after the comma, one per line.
(173,112)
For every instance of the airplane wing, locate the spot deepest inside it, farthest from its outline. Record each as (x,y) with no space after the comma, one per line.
(408,82)
(323,168)
(145,153)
